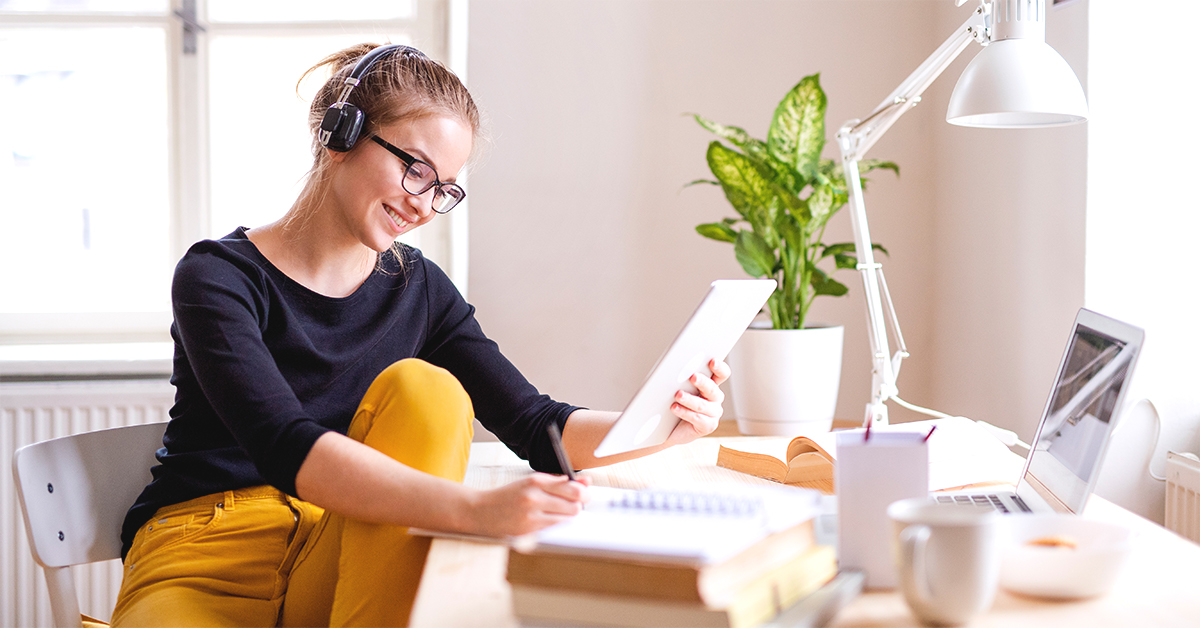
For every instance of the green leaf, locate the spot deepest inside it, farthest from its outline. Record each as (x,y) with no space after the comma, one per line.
(823,284)
(782,175)
(828,172)
(734,135)
(846,247)
(867,165)
(791,261)
(840,198)
(836,249)
(820,204)
(793,244)
(700,182)
(832,288)
(754,254)
(797,133)
(845,254)
(758,150)
(797,207)
(717,231)
(791,230)
(748,188)
(834,171)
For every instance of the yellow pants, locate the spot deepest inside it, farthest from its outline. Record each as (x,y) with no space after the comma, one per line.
(258,557)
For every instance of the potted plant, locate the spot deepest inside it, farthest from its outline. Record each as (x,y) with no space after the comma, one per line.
(784,193)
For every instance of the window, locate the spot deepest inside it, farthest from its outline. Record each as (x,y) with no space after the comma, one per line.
(134,128)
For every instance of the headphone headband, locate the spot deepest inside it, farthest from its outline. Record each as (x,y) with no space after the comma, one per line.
(343,121)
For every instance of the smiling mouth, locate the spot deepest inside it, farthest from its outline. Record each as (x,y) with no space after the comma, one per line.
(400,222)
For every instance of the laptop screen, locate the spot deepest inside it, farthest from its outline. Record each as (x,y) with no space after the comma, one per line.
(1079,416)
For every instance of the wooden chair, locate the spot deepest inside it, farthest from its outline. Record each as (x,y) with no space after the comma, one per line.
(74,492)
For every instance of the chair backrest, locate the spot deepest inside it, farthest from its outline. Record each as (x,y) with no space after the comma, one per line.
(75,491)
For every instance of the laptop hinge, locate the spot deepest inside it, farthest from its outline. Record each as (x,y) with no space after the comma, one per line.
(1043,492)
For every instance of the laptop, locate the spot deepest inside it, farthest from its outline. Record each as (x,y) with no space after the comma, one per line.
(1077,423)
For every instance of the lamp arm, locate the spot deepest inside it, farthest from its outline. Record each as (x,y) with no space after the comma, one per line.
(854,139)
(867,131)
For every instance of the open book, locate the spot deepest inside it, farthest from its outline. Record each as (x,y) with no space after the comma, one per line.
(961,454)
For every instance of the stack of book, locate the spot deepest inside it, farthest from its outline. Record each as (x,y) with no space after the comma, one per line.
(671,559)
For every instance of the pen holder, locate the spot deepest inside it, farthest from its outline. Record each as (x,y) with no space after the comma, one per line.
(872,471)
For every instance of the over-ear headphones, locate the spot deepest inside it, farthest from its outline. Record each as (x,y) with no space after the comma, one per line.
(344,121)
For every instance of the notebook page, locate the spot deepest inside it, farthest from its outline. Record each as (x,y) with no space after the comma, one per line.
(699,528)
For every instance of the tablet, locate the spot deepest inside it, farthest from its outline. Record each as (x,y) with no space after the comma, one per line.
(725,312)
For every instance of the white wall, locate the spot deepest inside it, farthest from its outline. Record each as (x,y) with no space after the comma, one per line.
(1009,239)
(1143,225)
(584,262)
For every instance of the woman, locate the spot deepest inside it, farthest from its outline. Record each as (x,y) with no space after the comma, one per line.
(327,379)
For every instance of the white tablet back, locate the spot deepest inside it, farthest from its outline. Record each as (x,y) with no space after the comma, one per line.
(726,311)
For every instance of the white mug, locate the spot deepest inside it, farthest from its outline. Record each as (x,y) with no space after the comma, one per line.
(947,558)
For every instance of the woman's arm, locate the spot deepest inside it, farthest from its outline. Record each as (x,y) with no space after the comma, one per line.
(359,482)
(699,416)
(354,480)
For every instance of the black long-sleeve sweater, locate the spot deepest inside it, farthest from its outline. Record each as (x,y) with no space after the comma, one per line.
(264,366)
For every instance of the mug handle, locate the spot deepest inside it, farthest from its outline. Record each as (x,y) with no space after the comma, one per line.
(913,540)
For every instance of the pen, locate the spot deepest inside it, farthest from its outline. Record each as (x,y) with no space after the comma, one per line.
(556,442)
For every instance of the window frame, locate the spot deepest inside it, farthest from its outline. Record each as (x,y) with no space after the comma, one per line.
(439,27)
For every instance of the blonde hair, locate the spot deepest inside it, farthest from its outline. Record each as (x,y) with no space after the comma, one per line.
(402,84)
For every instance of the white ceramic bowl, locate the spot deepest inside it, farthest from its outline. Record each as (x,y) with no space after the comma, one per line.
(1086,570)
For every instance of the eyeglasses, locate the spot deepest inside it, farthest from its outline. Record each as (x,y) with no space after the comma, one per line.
(419,177)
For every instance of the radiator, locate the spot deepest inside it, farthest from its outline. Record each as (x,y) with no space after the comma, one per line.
(37,411)
(1183,495)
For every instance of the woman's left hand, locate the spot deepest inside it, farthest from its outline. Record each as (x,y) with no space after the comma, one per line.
(701,412)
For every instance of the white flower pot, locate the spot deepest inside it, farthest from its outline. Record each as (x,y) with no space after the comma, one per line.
(785,381)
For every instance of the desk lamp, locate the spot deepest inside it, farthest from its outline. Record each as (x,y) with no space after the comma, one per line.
(1017,81)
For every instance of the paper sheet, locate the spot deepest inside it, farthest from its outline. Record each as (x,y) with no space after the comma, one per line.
(690,535)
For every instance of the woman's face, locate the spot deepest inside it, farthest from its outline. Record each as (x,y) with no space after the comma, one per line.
(367,186)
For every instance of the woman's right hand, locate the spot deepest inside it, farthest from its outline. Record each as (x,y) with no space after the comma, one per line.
(527,505)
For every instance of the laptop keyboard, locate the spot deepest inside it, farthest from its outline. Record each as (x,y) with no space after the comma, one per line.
(991,502)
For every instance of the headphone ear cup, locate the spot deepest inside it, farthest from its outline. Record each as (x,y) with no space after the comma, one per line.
(341,126)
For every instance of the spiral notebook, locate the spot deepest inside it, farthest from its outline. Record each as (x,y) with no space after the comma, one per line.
(678,526)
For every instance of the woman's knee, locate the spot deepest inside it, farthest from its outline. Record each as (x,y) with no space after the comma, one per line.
(419,387)
(413,409)
(417,377)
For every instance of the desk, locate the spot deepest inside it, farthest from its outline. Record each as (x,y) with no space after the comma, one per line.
(463,583)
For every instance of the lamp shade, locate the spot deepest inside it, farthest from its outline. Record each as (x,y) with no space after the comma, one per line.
(1017,83)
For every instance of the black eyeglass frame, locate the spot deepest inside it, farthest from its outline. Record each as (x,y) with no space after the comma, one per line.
(409,161)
